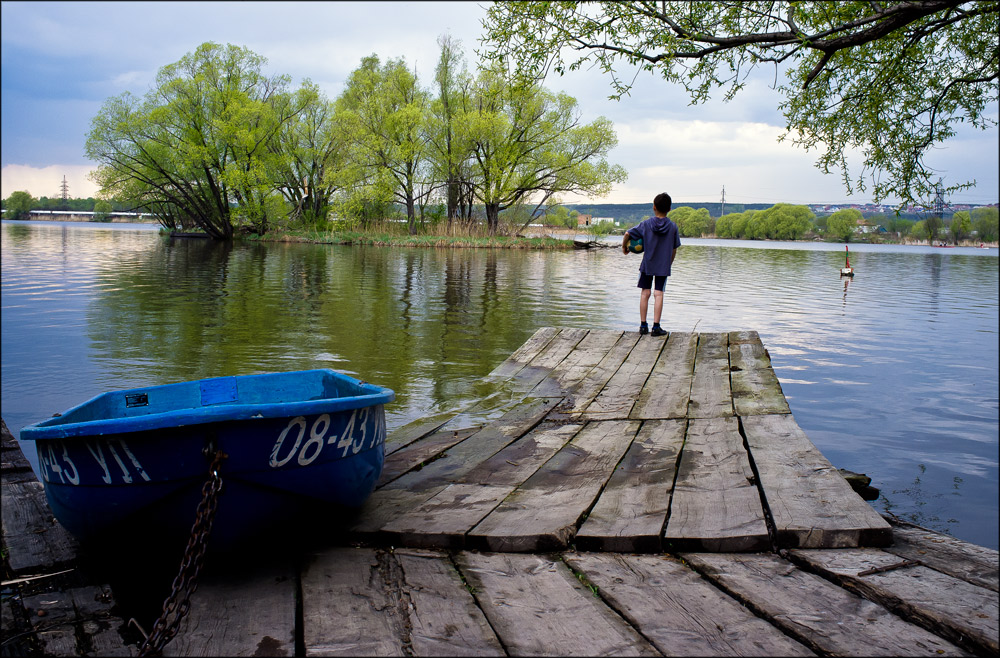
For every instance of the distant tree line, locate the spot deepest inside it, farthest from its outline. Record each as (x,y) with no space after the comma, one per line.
(20,203)
(220,145)
(785,221)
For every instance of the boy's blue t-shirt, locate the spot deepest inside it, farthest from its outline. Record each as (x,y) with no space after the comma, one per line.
(659,239)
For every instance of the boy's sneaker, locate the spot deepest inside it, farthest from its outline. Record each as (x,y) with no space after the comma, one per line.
(657,331)
(643,329)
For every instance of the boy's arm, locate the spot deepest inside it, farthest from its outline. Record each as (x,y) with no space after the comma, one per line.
(673,254)
(625,243)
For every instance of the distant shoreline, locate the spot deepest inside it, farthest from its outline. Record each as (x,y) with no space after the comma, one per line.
(555,232)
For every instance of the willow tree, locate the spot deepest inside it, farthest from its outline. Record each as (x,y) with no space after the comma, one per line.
(310,157)
(449,148)
(892,79)
(529,143)
(195,149)
(385,111)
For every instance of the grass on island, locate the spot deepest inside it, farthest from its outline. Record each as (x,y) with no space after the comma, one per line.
(395,234)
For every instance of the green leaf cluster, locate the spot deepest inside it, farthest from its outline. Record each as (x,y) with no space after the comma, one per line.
(782,221)
(19,204)
(690,222)
(985,223)
(889,80)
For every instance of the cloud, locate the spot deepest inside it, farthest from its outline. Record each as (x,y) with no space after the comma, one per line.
(46,181)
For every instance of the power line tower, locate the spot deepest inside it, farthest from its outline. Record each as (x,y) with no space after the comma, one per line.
(64,190)
(939,203)
(723,211)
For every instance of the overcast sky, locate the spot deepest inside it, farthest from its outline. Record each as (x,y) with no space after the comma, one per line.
(60,61)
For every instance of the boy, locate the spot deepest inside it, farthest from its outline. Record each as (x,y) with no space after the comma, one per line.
(660,240)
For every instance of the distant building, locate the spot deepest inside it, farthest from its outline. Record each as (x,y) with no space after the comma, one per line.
(864,226)
(583,220)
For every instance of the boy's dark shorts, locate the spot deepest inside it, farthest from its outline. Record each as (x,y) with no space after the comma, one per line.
(647,281)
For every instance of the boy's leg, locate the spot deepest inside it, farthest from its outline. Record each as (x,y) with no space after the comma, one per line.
(643,304)
(657,305)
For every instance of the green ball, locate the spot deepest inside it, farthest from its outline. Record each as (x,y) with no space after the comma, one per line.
(635,245)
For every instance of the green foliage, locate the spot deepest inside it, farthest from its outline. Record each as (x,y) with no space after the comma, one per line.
(385,114)
(18,204)
(919,230)
(310,166)
(525,140)
(202,140)
(843,224)
(932,225)
(899,226)
(961,226)
(102,210)
(935,65)
(984,222)
(734,224)
(690,222)
(781,221)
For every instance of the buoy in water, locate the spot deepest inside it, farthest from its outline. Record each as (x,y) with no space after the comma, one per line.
(847,270)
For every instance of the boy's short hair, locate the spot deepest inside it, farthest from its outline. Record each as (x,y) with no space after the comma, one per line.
(662,202)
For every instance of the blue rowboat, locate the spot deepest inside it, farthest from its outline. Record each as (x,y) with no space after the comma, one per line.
(139,457)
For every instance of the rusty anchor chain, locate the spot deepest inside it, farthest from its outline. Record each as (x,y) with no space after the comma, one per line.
(177,605)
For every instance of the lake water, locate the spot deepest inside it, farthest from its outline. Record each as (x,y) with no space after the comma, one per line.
(893,374)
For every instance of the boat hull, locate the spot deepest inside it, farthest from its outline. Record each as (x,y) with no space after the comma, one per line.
(100,483)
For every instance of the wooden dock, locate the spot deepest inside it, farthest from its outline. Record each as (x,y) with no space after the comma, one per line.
(616,495)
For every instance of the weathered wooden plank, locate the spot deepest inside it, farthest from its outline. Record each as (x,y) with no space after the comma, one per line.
(77,621)
(380,603)
(543,513)
(13,464)
(811,503)
(825,617)
(348,606)
(969,562)
(619,395)
(715,506)
(632,510)
(539,608)
(542,365)
(443,617)
(35,541)
(385,505)
(240,610)
(755,387)
(524,354)
(711,395)
(592,384)
(952,608)
(403,436)
(419,452)
(519,460)
(577,365)
(479,447)
(444,519)
(415,487)
(668,389)
(677,610)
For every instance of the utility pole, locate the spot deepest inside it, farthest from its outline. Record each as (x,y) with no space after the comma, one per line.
(939,200)
(723,201)
(64,189)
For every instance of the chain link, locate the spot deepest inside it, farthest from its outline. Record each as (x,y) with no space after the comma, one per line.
(178,603)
